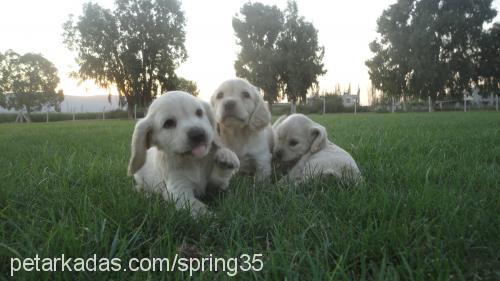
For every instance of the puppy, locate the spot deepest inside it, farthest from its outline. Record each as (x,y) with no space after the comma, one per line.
(302,147)
(243,123)
(174,151)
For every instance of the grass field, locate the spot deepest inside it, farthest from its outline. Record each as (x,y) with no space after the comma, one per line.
(429,208)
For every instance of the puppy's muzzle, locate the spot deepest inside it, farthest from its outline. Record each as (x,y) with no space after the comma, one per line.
(196,136)
(230,111)
(230,105)
(278,154)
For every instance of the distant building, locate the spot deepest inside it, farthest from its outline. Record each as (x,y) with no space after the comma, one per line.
(348,100)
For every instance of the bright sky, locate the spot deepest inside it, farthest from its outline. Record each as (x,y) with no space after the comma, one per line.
(345,29)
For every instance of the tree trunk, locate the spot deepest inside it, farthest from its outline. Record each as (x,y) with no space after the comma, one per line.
(130,110)
(293,106)
(28,114)
(131,102)
(19,117)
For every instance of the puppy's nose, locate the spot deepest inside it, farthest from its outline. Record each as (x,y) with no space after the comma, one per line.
(230,105)
(279,154)
(196,135)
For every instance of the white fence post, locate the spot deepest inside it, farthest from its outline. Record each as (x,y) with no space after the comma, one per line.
(355,103)
(497,102)
(429,101)
(103,116)
(392,106)
(135,111)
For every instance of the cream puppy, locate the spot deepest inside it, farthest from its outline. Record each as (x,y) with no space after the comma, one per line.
(174,151)
(303,148)
(243,122)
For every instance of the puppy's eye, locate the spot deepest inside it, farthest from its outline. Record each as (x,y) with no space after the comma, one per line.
(245,94)
(293,142)
(199,112)
(170,123)
(220,95)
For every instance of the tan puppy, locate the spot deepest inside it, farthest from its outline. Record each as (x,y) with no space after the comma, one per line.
(174,151)
(244,125)
(303,148)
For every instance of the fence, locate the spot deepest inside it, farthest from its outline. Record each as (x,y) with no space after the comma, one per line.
(58,116)
(431,106)
(313,106)
(332,104)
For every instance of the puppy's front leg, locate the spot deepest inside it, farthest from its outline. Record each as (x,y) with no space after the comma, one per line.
(183,195)
(263,167)
(226,165)
(297,173)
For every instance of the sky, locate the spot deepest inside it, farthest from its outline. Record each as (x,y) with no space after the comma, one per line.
(345,29)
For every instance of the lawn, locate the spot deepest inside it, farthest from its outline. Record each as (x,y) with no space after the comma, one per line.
(429,207)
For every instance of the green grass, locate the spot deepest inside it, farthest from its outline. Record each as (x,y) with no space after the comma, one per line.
(429,208)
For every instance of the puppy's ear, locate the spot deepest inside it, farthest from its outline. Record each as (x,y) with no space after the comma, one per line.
(141,141)
(209,112)
(212,99)
(261,116)
(280,119)
(319,138)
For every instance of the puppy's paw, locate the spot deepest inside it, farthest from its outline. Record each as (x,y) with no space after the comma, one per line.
(226,159)
(198,210)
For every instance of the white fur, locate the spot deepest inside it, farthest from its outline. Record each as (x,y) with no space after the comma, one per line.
(162,157)
(246,128)
(303,147)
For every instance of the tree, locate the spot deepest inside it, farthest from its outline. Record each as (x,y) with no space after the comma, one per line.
(189,86)
(4,75)
(372,95)
(257,28)
(135,47)
(488,61)
(427,48)
(302,56)
(461,22)
(28,82)
(389,66)
(338,91)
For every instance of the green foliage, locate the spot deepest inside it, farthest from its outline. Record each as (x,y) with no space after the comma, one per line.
(428,48)
(258,28)
(189,86)
(280,52)
(489,61)
(135,47)
(302,56)
(28,82)
(333,104)
(427,209)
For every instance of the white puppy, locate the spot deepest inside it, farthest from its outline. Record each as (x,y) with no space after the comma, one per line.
(174,152)
(243,123)
(302,146)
